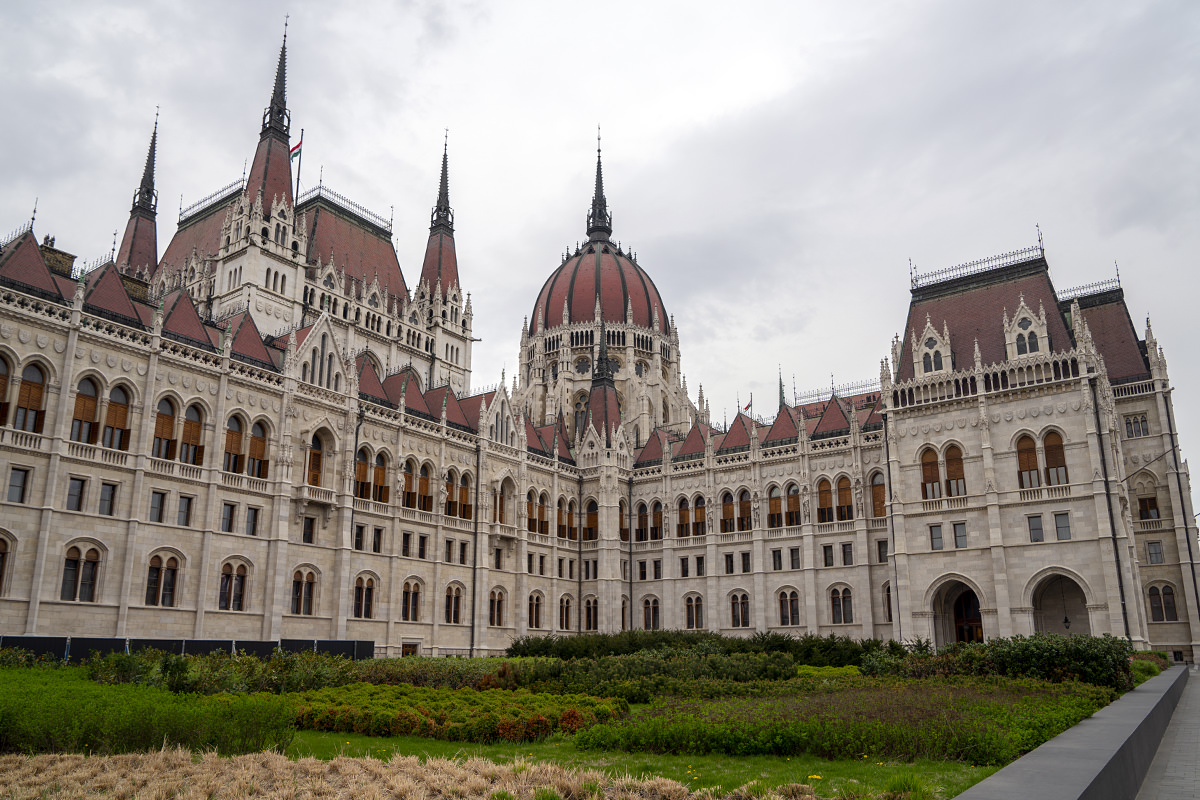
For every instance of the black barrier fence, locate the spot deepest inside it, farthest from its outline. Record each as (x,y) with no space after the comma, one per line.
(77,648)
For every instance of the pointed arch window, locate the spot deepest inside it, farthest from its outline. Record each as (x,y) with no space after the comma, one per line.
(728,523)
(564,613)
(232,591)
(695,612)
(878,495)
(824,501)
(314,462)
(591,527)
(643,522)
(362,478)
(744,518)
(190,449)
(650,619)
(1027,466)
(739,610)
(793,505)
(83,423)
(233,446)
(257,465)
(80,575)
(530,512)
(160,581)
(304,583)
(931,481)
(425,496)
(543,524)
(841,606)
(535,611)
(845,508)
(683,523)
(1162,604)
(1056,459)
(591,614)
(3,392)
(116,423)
(572,524)
(789,608)
(656,521)
(410,486)
(623,510)
(774,508)
(410,602)
(887,601)
(164,431)
(30,416)
(464,499)
(364,598)
(956,481)
(699,520)
(453,605)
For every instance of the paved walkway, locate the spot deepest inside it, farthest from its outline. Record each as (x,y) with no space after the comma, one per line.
(1175,772)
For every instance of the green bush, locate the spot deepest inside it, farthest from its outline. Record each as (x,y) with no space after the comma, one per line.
(62,711)
(1143,671)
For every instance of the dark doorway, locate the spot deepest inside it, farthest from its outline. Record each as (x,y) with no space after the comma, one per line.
(968,622)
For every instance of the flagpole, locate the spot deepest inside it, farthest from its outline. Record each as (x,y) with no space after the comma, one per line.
(299,163)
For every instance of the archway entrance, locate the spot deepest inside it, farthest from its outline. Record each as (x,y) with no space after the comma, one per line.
(1060,606)
(956,614)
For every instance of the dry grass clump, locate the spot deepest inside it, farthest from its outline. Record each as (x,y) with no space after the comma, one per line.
(177,775)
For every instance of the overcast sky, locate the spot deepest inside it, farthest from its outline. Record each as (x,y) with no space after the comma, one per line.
(774,165)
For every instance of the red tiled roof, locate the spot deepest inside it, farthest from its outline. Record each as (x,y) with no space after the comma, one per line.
(834,418)
(405,384)
(612,277)
(434,398)
(1115,338)
(441,261)
(694,441)
(139,245)
(470,405)
(974,309)
(784,426)
(106,291)
(22,262)
(604,410)
(358,250)
(738,434)
(202,233)
(653,449)
(562,438)
(179,316)
(247,341)
(871,416)
(271,172)
(533,438)
(368,380)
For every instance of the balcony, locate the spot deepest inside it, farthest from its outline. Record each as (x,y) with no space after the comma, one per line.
(371,507)
(315,494)
(21,439)
(1148,525)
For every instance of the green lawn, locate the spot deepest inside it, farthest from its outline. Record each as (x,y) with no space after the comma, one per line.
(847,779)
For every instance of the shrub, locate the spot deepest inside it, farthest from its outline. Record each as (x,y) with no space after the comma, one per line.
(1143,670)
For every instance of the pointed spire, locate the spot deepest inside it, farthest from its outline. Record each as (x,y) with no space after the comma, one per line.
(276,117)
(599,220)
(145,198)
(443,215)
(603,371)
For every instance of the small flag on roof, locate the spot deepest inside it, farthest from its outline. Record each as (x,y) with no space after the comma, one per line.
(295,151)
(751,403)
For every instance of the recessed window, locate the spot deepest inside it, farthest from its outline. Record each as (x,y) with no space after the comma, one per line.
(935,537)
(1135,426)
(184,518)
(745,562)
(777,559)
(847,554)
(308,532)
(1062,525)
(960,534)
(158,501)
(683,567)
(881,550)
(657,569)
(700,566)
(1154,552)
(641,569)
(827,553)
(228,513)
(1147,508)
(75,490)
(1035,529)
(251,521)
(729,563)
(108,498)
(18,479)
(794,557)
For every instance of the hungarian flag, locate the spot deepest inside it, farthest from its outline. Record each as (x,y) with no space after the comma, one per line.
(295,151)
(747,408)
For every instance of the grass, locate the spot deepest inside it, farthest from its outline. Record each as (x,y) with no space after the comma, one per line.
(720,774)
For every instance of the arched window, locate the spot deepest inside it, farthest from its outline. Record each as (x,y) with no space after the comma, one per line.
(643,522)
(80,575)
(878,495)
(30,417)
(1056,460)
(564,613)
(233,446)
(739,607)
(728,523)
(956,481)
(304,583)
(257,465)
(83,423)
(530,512)
(824,501)
(927,362)
(410,486)
(841,606)
(232,591)
(699,521)
(160,582)
(425,496)
(744,518)
(535,611)
(1022,347)
(543,524)
(683,523)
(650,620)
(931,481)
(3,392)
(453,604)
(775,508)
(3,560)
(937,360)
(695,612)
(190,449)
(591,614)
(1027,466)
(464,498)
(164,431)
(496,608)
(116,423)
(314,462)
(845,507)
(887,601)
(1168,600)
(591,527)
(789,608)
(364,598)
(793,505)
(1033,342)
(410,602)
(362,478)
(1162,604)
(656,521)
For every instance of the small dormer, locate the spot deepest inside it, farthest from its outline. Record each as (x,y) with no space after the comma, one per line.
(931,352)
(1025,333)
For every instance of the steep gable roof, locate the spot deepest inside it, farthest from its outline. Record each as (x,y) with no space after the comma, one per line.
(355,246)
(434,398)
(694,442)
(201,233)
(1114,336)
(470,405)
(534,441)
(405,384)
(833,420)
(368,381)
(22,262)
(106,291)
(784,426)
(738,434)
(653,449)
(181,318)
(247,341)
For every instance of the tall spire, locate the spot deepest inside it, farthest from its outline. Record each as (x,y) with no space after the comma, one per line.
(603,371)
(276,117)
(146,198)
(443,214)
(599,220)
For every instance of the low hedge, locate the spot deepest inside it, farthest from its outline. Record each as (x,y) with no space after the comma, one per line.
(460,715)
(61,711)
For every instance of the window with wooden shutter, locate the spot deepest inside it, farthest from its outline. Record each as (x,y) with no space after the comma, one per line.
(878,496)
(410,486)
(643,523)
(793,505)
(931,481)
(656,522)
(775,508)
(362,482)
(379,481)
(1027,466)
(314,462)
(682,524)
(744,520)
(30,417)
(3,392)
(191,451)
(845,508)
(956,482)
(824,501)
(530,515)
(1056,460)
(592,524)
(425,499)
(233,446)
(164,431)
(83,423)
(727,521)
(257,465)
(699,520)
(116,423)
(464,501)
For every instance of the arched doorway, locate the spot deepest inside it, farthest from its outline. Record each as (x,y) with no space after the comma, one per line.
(956,614)
(1060,606)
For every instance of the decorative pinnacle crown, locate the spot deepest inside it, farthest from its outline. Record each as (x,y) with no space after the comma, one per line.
(599,221)
(276,116)
(146,198)
(443,214)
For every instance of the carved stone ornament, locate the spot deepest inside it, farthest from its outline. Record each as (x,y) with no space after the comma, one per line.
(1062,408)
(142,369)
(961,423)
(1008,416)
(187,381)
(60,346)
(995,419)
(1048,410)
(95,356)
(1020,413)
(229,393)
(1075,406)
(6,331)
(172,378)
(126,365)
(111,360)
(42,341)
(201,385)
(23,336)
(213,389)
(1033,412)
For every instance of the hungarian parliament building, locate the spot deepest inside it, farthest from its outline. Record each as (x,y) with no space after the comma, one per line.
(264,432)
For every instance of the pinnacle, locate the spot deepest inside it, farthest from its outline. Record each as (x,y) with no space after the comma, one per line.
(443,215)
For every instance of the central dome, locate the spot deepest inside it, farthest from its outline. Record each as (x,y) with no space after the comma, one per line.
(601,274)
(599,271)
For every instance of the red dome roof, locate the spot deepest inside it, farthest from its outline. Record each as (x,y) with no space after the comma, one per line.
(599,271)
